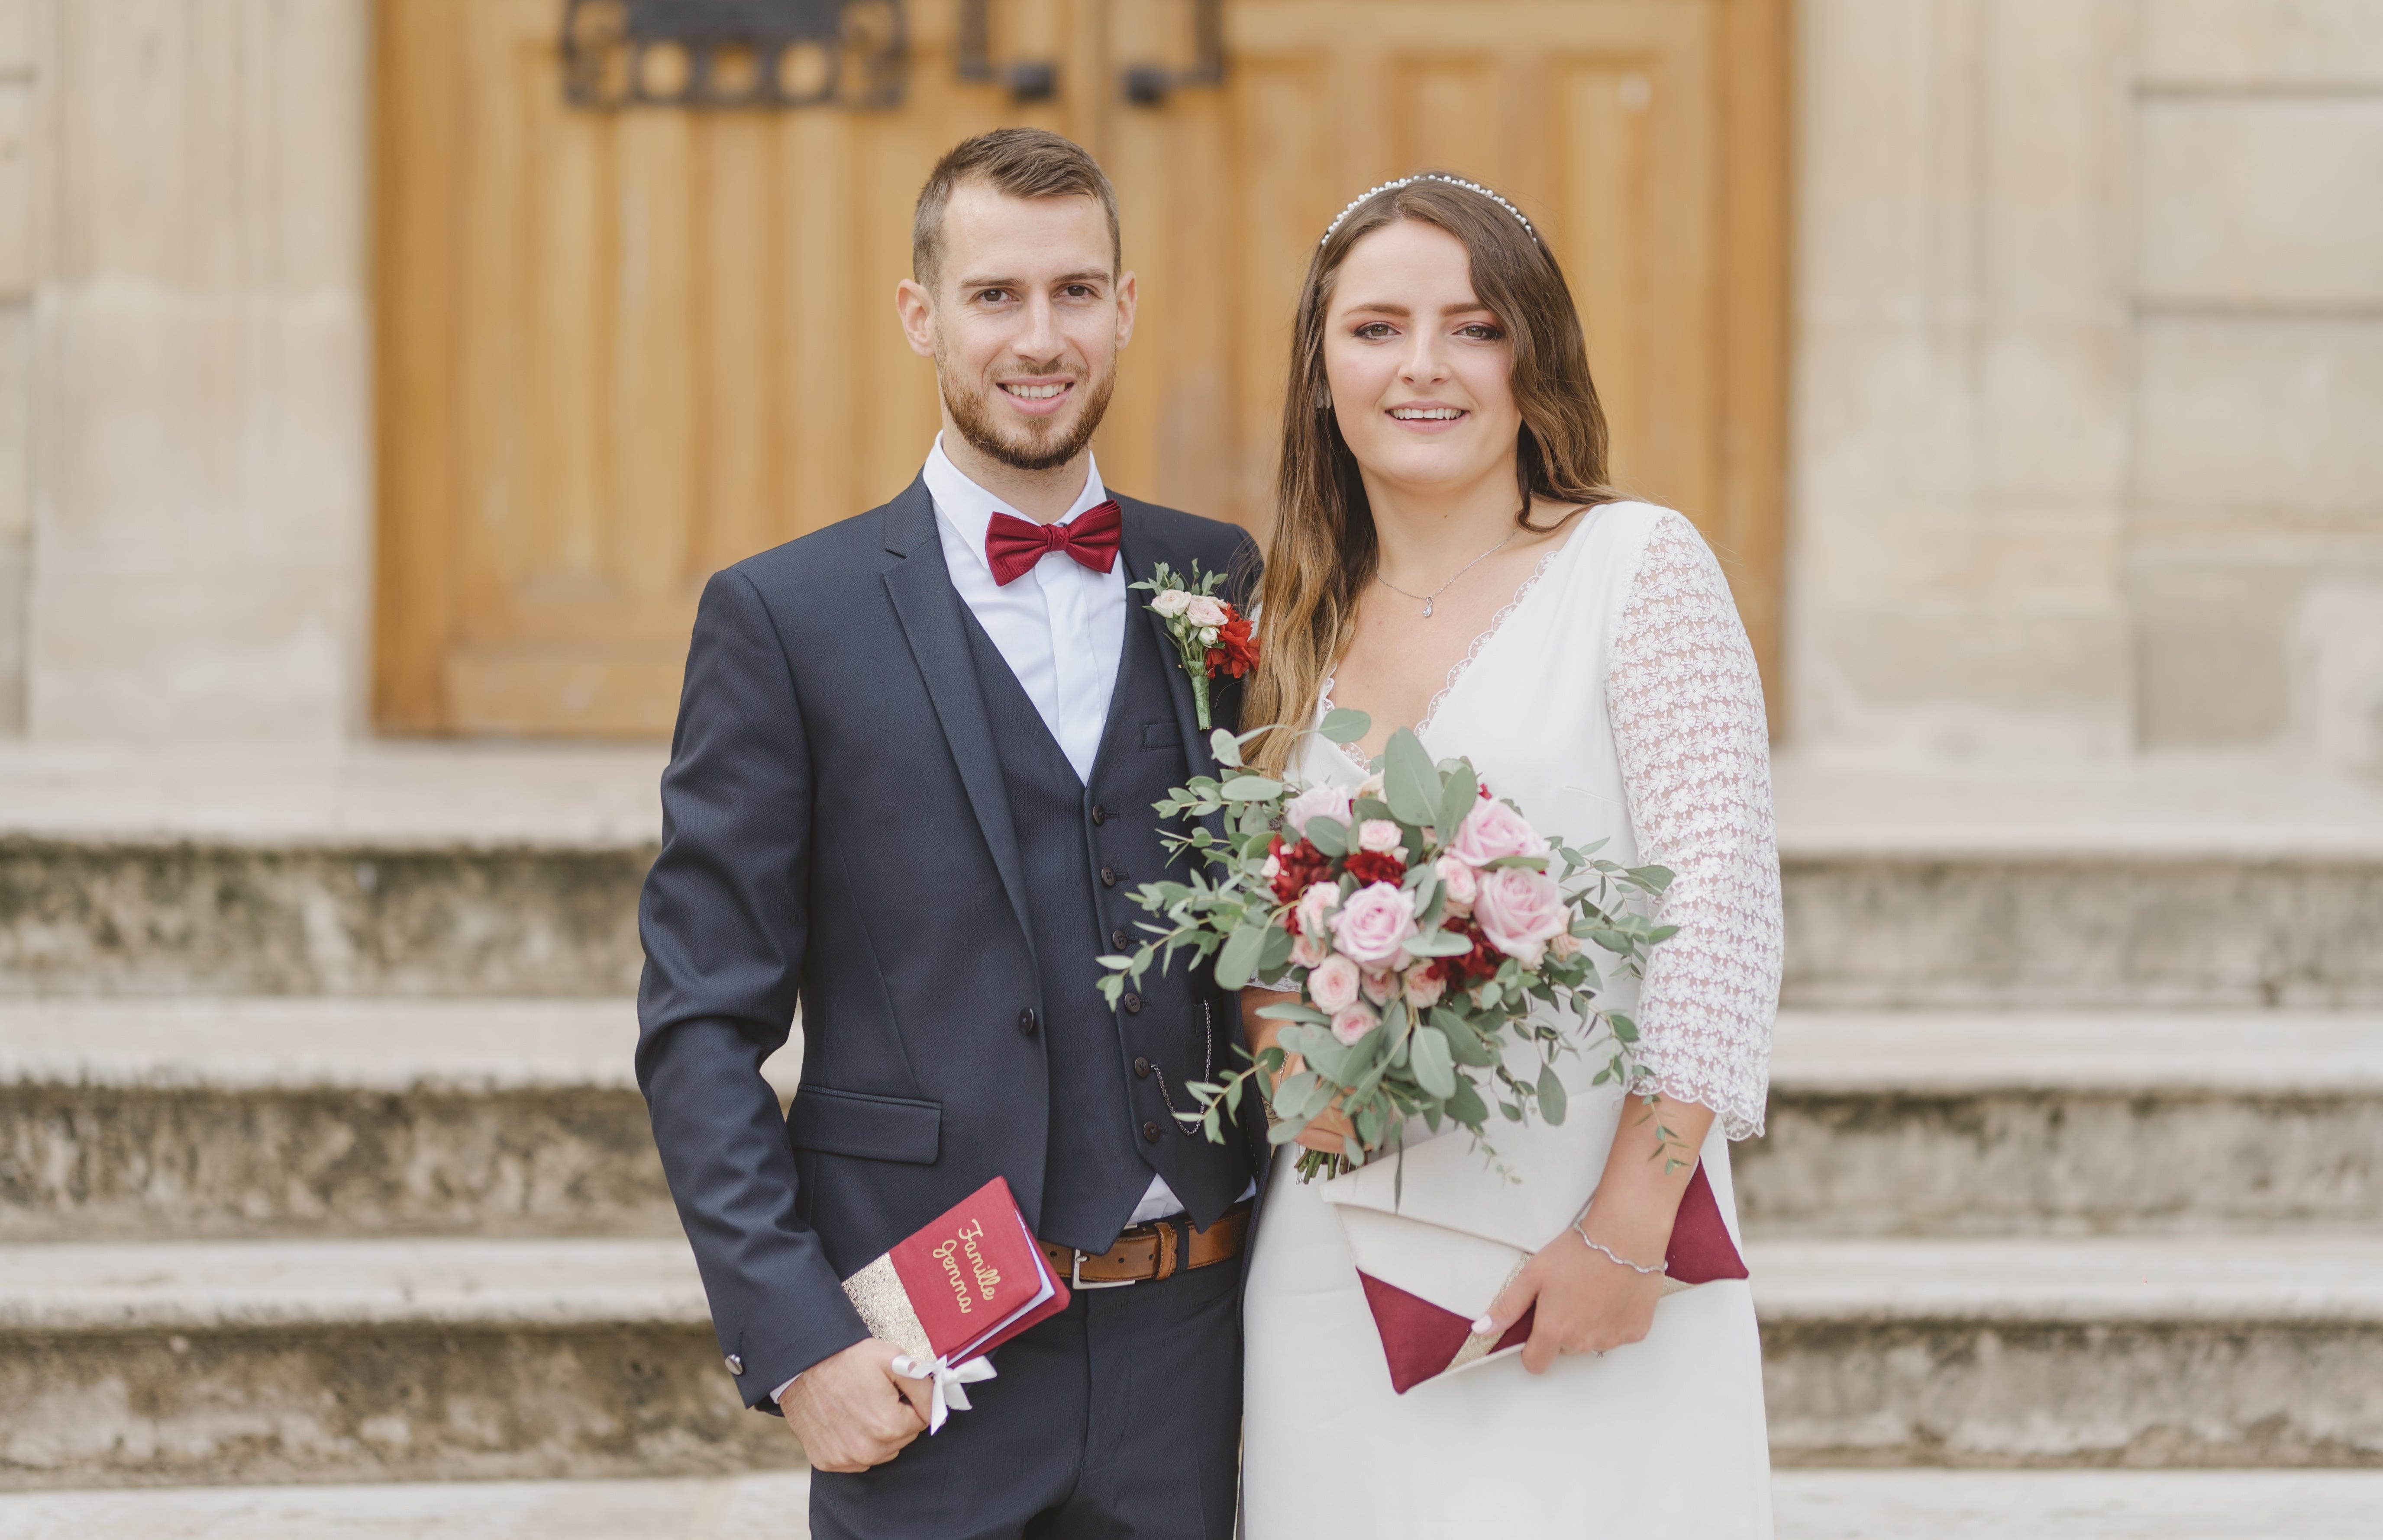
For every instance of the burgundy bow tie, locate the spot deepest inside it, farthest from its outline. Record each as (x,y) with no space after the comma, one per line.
(1013,545)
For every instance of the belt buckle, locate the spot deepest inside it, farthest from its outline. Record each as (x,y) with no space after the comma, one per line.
(1078,1280)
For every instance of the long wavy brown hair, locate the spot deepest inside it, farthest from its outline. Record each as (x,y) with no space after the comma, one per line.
(1324,548)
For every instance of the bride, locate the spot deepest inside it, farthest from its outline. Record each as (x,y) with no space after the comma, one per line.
(1447,554)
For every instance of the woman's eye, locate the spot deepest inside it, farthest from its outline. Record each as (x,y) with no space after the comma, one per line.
(1480,332)
(1373,331)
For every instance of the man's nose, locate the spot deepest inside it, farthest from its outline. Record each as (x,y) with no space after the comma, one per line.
(1038,332)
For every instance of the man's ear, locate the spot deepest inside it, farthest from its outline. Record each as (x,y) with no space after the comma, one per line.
(917,310)
(1127,298)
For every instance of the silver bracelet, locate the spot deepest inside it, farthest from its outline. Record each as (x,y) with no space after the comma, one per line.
(1608,1252)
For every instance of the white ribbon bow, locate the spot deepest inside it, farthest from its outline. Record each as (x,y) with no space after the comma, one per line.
(948,1395)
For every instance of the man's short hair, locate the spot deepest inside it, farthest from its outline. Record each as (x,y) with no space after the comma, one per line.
(1023,163)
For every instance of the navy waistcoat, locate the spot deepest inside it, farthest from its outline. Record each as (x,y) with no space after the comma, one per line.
(1117,1075)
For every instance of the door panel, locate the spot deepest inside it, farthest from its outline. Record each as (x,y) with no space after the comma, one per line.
(619,350)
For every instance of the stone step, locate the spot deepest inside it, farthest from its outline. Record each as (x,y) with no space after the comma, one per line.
(152,1119)
(375,1360)
(2009,1123)
(1809,1505)
(443,870)
(2137,1351)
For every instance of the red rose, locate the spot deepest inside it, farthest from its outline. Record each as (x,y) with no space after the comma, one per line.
(1236,652)
(1479,963)
(1376,865)
(1296,868)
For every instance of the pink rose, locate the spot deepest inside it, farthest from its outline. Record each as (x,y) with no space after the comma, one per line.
(1425,987)
(1375,982)
(1329,802)
(1462,882)
(1353,1022)
(1493,831)
(1313,904)
(1563,945)
(1333,985)
(1520,910)
(1205,612)
(1272,870)
(1377,834)
(1307,951)
(1373,921)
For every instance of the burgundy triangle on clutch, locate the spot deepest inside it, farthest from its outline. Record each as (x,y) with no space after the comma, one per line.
(1421,1341)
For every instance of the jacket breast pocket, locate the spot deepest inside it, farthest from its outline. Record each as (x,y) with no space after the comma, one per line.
(869,1128)
(1162,734)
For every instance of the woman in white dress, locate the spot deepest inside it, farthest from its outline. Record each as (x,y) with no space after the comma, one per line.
(1447,554)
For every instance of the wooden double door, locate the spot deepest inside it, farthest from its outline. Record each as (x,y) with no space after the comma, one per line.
(618,350)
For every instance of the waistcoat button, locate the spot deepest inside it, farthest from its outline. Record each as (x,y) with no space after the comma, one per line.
(1108,877)
(1141,1069)
(1133,1004)
(1026,1021)
(1150,1132)
(1100,814)
(1118,939)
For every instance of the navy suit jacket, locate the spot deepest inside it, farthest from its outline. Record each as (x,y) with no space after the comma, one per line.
(836,830)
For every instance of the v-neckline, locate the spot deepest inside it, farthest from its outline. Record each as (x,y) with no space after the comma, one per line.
(1364,765)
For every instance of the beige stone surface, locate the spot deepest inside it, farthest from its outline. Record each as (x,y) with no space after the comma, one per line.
(204,511)
(2076,1505)
(2259,425)
(2202,43)
(2258,201)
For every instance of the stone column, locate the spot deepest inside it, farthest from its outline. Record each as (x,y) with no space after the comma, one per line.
(1962,378)
(201,475)
(16,357)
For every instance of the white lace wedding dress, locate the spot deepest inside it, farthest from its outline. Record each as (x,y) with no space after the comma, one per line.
(1615,698)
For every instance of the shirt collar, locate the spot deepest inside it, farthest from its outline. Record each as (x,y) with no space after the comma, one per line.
(968,509)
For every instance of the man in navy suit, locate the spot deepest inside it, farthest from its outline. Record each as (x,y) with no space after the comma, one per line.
(911,788)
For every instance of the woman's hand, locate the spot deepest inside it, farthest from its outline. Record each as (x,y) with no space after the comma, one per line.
(1328,1130)
(1588,1303)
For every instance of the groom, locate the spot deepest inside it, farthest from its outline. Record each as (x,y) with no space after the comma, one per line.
(911,789)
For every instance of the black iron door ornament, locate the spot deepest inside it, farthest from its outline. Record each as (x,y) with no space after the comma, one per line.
(1028,80)
(731,53)
(1148,85)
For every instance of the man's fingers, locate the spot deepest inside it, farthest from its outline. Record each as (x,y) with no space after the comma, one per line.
(919,1395)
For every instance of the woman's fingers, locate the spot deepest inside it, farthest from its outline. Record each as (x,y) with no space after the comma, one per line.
(1510,1305)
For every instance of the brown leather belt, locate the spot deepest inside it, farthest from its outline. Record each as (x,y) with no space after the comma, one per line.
(1148,1252)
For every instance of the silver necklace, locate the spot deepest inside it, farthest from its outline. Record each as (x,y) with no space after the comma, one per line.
(1427,598)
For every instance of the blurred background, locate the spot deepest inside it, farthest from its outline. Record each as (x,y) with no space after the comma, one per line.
(381,380)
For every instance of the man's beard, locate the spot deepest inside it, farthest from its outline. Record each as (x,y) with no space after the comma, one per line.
(1041,450)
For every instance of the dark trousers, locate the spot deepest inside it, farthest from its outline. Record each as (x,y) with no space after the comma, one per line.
(1119,1419)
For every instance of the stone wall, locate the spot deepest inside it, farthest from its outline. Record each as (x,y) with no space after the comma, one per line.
(2089,378)
(201,490)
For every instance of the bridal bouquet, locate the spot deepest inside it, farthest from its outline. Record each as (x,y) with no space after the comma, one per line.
(1421,924)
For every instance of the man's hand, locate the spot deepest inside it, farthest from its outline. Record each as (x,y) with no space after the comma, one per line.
(852,1411)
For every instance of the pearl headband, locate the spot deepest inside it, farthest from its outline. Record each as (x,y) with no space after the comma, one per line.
(1428,177)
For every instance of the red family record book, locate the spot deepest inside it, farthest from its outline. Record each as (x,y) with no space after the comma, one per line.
(959,1288)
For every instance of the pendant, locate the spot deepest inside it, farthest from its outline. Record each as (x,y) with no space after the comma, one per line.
(1426,610)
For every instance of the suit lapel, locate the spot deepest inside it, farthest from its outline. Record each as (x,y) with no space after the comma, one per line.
(929,607)
(1142,551)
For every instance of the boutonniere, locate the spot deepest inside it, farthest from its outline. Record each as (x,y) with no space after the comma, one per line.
(1210,635)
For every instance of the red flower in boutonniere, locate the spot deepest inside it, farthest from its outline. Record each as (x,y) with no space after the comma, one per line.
(1209,633)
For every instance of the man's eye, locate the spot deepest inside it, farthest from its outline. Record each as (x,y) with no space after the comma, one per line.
(991,296)
(1079,291)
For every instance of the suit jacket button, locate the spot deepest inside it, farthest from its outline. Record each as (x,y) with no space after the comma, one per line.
(1100,814)
(735,1364)
(1141,1069)
(1150,1132)
(1133,1004)
(1108,877)
(1026,1021)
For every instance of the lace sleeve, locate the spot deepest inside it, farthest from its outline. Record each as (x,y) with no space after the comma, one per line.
(1687,707)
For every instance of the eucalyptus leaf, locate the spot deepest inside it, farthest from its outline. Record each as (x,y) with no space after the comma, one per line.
(1437,944)
(1342,725)
(1328,835)
(1435,1068)
(1553,1103)
(1292,1011)
(1276,952)
(1456,800)
(1239,957)
(1464,1104)
(1410,781)
(1226,748)
(1251,788)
